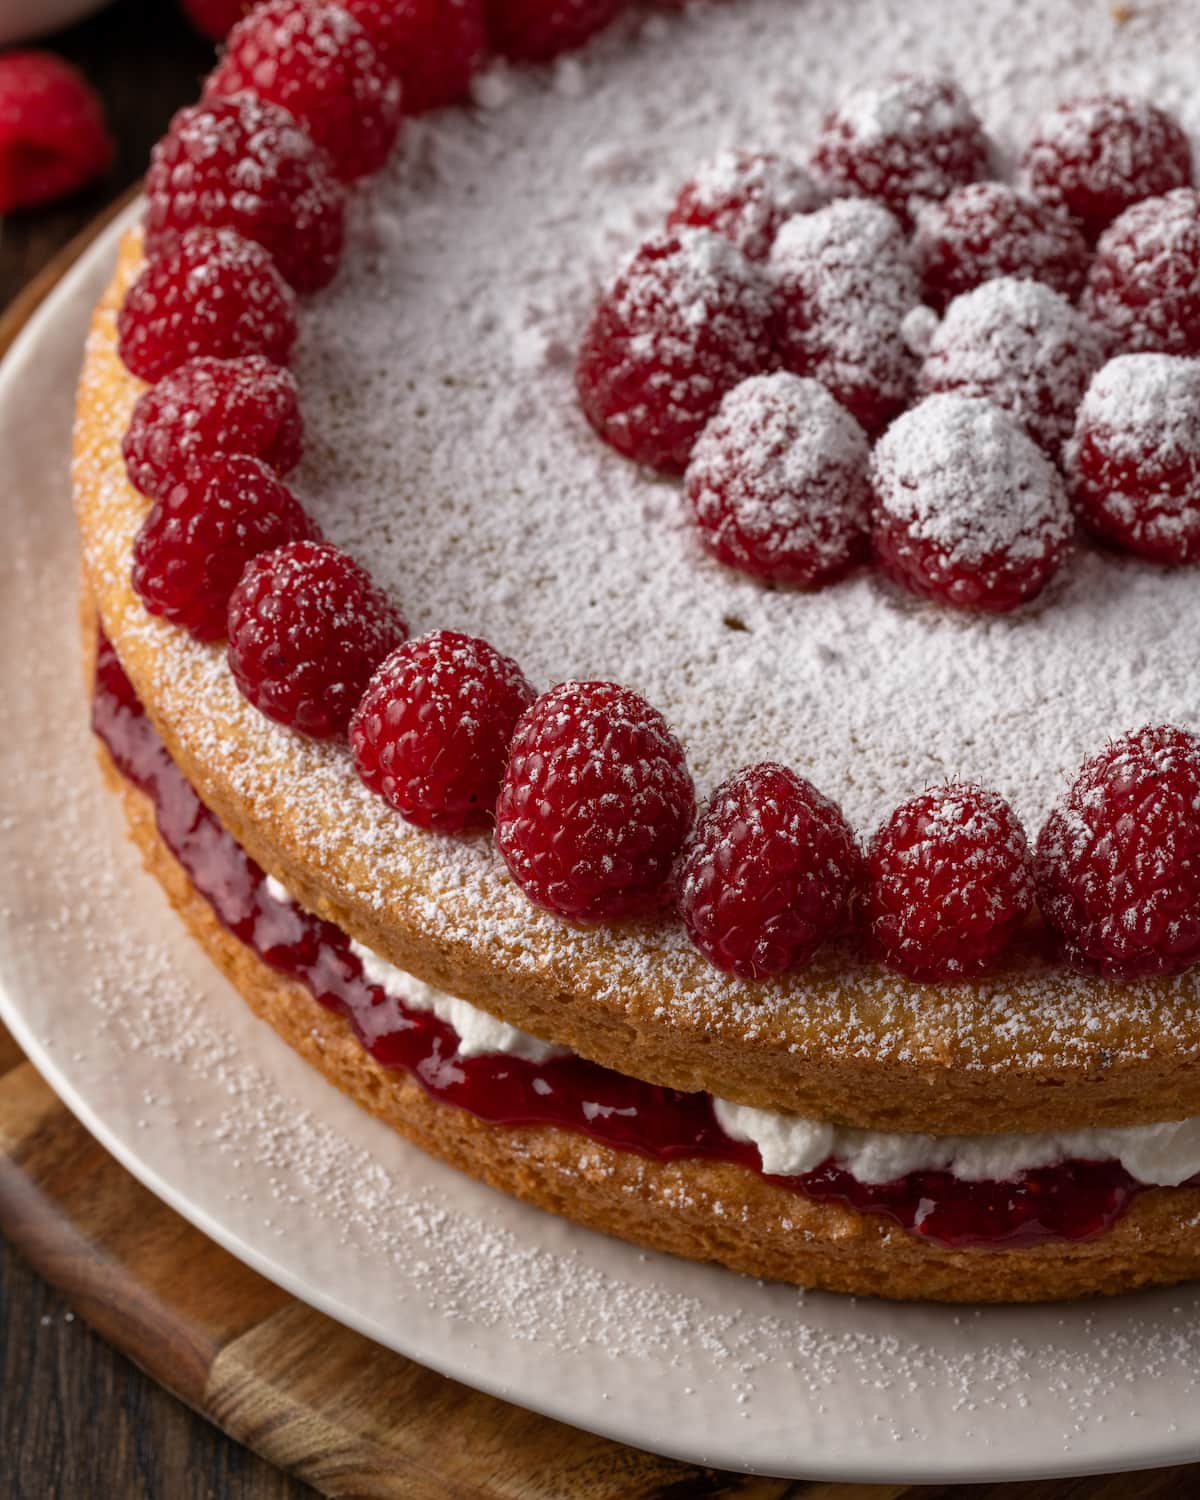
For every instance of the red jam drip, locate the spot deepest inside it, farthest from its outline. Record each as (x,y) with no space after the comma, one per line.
(1073,1200)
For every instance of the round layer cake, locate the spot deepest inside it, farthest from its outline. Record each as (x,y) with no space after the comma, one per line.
(446,451)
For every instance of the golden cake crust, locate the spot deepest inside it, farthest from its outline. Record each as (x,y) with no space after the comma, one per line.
(705,1211)
(841,1041)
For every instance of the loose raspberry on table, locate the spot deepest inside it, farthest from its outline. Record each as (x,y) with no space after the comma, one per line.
(905,141)
(432,730)
(209,407)
(215,18)
(317,62)
(844,284)
(53,136)
(1118,862)
(1023,346)
(192,547)
(538,30)
(967,509)
(1133,465)
(687,320)
(768,874)
(949,881)
(434,47)
(307,628)
(595,803)
(245,164)
(746,196)
(1095,157)
(215,294)
(1144,285)
(986,230)
(778,482)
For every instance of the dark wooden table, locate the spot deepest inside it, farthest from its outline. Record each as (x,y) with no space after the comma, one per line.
(77,1420)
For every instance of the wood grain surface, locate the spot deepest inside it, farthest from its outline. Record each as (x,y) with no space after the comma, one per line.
(78,1235)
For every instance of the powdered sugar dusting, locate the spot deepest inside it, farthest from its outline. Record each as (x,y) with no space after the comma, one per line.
(1022,345)
(960,472)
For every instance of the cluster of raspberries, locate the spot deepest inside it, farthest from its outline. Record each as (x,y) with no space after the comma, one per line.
(586,789)
(883,352)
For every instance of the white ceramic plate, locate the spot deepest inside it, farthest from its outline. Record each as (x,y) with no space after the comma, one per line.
(163,1062)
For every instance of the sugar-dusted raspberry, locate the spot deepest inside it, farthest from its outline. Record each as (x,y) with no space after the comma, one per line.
(192,547)
(778,482)
(949,881)
(215,18)
(595,803)
(967,509)
(214,294)
(1133,465)
(209,407)
(1094,157)
(746,196)
(1022,345)
(687,320)
(1144,285)
(53,135)
(316,61)
(845,282)
(1118,862)
(538,30)
(987,229)
(434,47)
(431,733)
(245,164)
(307,628)
(768,873)
(905,141)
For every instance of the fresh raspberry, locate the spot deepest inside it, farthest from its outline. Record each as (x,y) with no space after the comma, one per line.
(1023,346)
(746,196)
(768,873)
(215,294)
(949,881)
(1096,157)
(307,627)
(986,230)
(538,30)
(844,284)
(905,141)
(245,164)
(1133,466)
(778,482)
(1144,285)
(53,136)
(595,803)
(968,510)
(1118,862)
(431,733)
(215,19)
(209,407)
(316,61)
(688,319)
(434,47)
(192,547)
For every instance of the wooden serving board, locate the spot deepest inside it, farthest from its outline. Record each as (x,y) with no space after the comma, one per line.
(327,1405)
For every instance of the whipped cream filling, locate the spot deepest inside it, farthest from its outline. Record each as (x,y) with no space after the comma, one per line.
(478,1033)
(1158,1155)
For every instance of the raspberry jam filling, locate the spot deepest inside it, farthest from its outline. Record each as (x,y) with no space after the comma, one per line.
(1072,1200)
